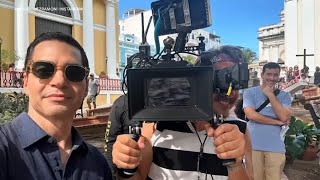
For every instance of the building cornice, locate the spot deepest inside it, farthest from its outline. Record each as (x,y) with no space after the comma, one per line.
(114,2)
(273,36)
(7,4)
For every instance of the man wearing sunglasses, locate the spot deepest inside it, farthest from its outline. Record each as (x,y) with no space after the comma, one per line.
(43,144)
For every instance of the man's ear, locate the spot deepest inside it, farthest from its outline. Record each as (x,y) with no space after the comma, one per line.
(25,83)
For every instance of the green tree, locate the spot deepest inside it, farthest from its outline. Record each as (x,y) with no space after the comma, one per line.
(8,57)
(249,55)
(11,105)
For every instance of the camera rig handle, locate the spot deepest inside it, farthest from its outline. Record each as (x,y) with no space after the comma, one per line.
(134,132)
(216,122)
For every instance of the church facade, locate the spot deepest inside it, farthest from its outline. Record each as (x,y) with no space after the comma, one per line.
(299,29)
(94,24)
(302,31)
(271,42)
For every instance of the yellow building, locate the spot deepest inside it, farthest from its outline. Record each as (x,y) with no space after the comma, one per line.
(93,23)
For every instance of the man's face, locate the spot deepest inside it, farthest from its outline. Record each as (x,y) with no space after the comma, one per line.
(270,77)
(56,96)
(222,103)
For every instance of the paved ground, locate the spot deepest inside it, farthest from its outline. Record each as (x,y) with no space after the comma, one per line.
(299,112)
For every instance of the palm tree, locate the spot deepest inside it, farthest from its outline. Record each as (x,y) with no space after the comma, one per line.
(249,55)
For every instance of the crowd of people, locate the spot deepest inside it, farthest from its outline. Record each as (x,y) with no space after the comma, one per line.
(295,75)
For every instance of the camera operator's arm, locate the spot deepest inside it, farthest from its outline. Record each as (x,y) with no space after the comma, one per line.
(251,112)
(248,155)
(230,143)
(281,109)
(128,154)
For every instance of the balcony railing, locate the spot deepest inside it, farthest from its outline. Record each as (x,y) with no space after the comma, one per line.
(110,84)
(11,79)
(14,79)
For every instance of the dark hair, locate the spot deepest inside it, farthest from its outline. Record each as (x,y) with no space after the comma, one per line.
(59,37)
(270,65)
(213,55)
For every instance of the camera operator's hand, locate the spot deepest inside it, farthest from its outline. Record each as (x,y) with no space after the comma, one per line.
(229,142)
(126,152)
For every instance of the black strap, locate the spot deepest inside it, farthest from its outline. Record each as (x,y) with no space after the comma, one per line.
(276,92)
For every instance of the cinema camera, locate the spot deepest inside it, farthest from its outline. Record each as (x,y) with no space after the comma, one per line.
(164,87)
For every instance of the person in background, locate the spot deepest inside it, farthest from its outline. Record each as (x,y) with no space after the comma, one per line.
(290,75)
(296,73)
(304,78)
(43,144)
(268,154)
(93,91)
(317,76)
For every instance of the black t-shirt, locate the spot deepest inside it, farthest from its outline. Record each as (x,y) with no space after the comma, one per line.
(118,123)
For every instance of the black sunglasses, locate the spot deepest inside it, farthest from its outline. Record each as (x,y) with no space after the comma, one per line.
(46,70)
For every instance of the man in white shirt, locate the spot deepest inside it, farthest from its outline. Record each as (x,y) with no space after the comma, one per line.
(93,91)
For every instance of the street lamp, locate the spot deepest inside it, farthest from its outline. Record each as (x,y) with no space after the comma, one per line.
(0,63)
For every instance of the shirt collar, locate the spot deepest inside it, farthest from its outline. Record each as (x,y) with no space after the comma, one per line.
(27,130)
(77,140)
(30,132)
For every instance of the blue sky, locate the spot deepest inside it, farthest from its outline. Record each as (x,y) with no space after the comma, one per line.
(235,21)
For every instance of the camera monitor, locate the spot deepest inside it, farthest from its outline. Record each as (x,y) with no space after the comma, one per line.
(170,94)
(174,16)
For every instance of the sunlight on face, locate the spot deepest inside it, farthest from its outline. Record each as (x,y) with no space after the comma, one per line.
(57,95)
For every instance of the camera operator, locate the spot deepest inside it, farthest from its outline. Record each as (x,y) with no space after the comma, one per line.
(183,150)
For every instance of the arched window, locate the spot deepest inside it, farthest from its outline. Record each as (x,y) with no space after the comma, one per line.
(58,7)
(54,6)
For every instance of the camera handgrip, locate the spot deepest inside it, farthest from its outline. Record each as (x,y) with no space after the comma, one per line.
(215,123)
(227,162)
(127,173)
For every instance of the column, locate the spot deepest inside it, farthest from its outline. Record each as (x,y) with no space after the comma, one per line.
(276,55)
(270,56)
(317,36)
(21,32)
(88,32)
(308,32)
(267,53)
(111,38)
(291,32)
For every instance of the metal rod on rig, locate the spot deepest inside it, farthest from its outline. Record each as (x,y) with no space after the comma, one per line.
(145,34)
(142,24)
